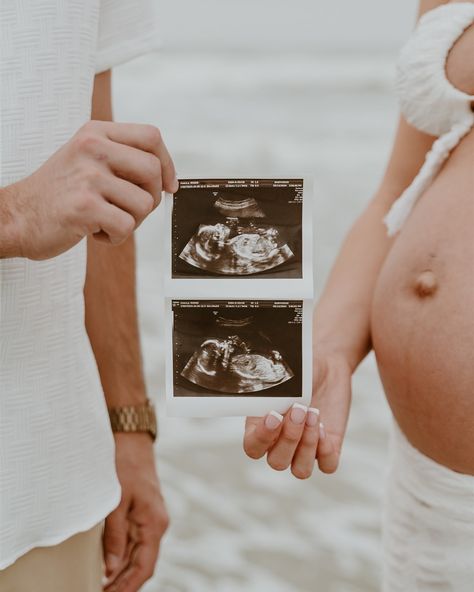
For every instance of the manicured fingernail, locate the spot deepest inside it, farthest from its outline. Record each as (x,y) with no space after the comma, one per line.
(322,431)
(313,417)
(273,420)
(112,562)
(105,580)
(175,185)
(298,413)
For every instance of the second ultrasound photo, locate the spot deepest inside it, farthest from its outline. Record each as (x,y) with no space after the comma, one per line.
(226,348)
(246,228)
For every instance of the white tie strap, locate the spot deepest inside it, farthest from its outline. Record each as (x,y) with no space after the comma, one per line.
(435,159)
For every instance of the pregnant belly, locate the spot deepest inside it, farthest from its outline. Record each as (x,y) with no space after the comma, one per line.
(423,318)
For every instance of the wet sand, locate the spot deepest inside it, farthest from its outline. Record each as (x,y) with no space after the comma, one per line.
(237,525)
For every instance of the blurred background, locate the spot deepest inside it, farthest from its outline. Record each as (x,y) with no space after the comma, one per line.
(266,87)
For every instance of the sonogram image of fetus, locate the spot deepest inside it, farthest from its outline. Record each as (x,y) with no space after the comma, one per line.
(257,245)
(211,242)
(235,365)
(234,249)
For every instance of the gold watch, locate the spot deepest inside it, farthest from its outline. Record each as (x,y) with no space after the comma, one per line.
(134,418)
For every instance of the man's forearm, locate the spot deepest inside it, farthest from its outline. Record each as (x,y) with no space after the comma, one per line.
(110,299)
(111,321)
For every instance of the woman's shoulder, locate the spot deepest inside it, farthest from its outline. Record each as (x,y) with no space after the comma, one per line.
(427,5)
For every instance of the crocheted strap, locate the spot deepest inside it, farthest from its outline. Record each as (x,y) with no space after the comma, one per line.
(401,209)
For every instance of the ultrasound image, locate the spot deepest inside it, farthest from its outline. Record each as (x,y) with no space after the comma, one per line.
(236,231)
(233,249)
(221,349)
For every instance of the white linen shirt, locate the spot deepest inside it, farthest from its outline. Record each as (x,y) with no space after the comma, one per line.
(57,469)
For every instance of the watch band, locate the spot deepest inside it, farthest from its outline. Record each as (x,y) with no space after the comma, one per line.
(134,418)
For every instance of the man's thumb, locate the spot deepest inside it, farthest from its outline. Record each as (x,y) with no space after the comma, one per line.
(115,540)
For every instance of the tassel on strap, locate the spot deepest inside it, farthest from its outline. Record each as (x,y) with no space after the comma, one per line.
(435,159)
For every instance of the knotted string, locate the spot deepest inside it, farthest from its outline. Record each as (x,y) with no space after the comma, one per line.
(435,159)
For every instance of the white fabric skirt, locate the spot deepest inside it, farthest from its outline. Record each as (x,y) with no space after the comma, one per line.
(428,526)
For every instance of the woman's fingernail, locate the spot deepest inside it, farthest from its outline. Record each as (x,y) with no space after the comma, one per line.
(175,185)
(298,413)
(322,431)
(313,417)
(273,420)
(105,580)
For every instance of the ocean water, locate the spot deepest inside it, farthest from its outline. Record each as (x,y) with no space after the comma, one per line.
(302,25)
(236,524)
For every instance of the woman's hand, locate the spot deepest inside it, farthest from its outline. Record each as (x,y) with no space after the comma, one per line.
(287,440)
(302,434)
(332,392)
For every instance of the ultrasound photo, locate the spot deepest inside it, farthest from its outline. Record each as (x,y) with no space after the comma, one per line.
(245,228)
(244,348)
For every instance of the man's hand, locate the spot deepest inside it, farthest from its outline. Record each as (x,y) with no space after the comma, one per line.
(133,531)
(299,437)
(103,182)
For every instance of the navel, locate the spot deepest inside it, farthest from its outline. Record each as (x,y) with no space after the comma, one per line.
(426,284)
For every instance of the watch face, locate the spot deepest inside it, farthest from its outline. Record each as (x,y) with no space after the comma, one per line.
(150,419)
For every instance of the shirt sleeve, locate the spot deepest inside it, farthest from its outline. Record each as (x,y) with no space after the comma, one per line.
(127,29)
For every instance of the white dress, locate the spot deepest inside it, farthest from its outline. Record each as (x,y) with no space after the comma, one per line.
(57,471)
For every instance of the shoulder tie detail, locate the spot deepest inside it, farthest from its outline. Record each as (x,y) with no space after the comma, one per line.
(436,157)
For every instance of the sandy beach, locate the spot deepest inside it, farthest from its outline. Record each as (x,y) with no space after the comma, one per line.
(237,525)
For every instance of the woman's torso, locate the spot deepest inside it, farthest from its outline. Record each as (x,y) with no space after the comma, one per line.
(423,309)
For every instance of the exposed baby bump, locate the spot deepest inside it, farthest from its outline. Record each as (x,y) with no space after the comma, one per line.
(423,319)
(423,337)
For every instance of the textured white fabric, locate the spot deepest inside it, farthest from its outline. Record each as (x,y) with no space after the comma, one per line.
(57,471)
(428,100)
(428,528)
